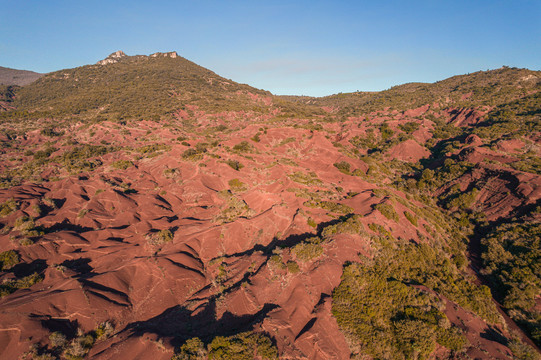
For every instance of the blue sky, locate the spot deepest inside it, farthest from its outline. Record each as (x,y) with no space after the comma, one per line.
(288,47)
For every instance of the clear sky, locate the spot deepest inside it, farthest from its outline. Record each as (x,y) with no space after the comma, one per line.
(288,47)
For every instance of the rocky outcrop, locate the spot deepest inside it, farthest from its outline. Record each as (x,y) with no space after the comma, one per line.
(113,58)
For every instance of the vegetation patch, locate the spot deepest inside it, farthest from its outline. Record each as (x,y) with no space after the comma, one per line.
(387,210)
(243,346)
(160,238)
(308,250)
(511,261)
(234,164)
(122,164)
(344,167)
(237,185)
(329,206)
(8,207)
(384,315)
(305,179)
(8,259)
(411,218)
(10,286)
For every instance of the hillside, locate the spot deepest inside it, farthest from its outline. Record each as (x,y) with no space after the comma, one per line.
(17,77)
(153,209)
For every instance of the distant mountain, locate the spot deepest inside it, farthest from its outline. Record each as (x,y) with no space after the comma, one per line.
(132,87)
(17,77)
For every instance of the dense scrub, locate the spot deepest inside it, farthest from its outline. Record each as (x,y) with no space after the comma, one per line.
(512,261)
(243,346)
(391,307)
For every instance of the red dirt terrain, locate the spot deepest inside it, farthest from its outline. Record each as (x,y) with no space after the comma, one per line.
(203,224)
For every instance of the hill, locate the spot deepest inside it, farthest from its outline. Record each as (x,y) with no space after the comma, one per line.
(151,208)
(17,77)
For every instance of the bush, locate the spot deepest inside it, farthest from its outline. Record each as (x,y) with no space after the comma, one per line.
(343,167)
(236,185)
(409,127)
(243,346)
(387,210)
(104,330)
(122,164)
(329,206)
(160,238)
(8,259)
(293,267)
(8,207)
(243,147)
(308,250)
(11,286)
(411,218)
(192,349)
(234,164)
(57,339)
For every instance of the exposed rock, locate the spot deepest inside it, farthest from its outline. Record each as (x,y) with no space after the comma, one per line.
(113,58)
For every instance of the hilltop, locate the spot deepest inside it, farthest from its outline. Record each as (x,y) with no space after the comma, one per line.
(151,208)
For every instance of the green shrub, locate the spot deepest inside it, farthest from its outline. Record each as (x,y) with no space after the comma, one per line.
(11,286)
(8,207)
(234,164)
(387,210)
(256,138)
(511,262)
(243,147)
(236,185)
(104,330)
(386,131)
(343,167)
(411,218)
(122,164)
(351,225)
(57,339)
(160,238)
(308,250)
(409,127)
(8,259)
(243,346)
(293,267)
(452,338)
(305,179)
(192,349)
(329,206)
(277,261)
